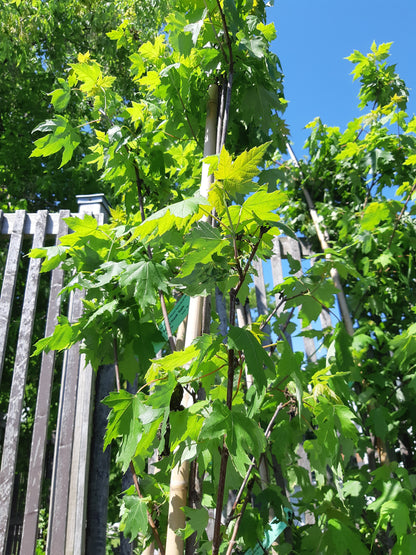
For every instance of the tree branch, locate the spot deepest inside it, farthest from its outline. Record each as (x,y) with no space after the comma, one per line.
(263,230)
(237,523)
(216,541)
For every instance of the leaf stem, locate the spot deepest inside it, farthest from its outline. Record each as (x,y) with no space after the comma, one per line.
(263,230)
(171,339)
(237,523)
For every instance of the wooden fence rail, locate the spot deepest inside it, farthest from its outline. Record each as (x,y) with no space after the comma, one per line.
(78,491)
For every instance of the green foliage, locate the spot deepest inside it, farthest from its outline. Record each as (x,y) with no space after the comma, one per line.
(230,397)
(362,181)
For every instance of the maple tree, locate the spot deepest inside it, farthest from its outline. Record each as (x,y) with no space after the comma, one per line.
(245,403)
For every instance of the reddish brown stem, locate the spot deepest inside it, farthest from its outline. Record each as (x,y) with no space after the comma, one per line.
(216,541)
(149,516)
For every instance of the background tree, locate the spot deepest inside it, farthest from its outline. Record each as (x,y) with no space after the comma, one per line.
(362,182)
(39,39)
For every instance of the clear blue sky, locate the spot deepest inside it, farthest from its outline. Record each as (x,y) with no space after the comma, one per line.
(313,39)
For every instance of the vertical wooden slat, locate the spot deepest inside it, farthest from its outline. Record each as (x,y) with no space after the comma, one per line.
(11,438)
(325,316)
(260,286)
(9,282)
(40,428)
(98,484)
(278,278)
(293,248)
(64,436)
(71,464)
(261,295)
(78,489)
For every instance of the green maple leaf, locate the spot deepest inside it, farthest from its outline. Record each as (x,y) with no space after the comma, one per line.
(255,356)
(61,97)
(197,520)
(242,434)
(261,205)
(374,214)
(259,104)
(134,520)
(144,278)
(205,241)
(237,176)
(62,136)
(310,310)
(123,421)
(53,256)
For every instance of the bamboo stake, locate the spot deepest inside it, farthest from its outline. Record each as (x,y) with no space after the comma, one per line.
(180,474)
(323,239)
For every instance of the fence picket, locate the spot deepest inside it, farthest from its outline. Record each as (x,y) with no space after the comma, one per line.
(278,278)
(40,428)
(9,282)
(11,438)
(61,472)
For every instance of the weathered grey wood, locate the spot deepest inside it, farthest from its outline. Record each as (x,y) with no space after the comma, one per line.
(260,286)
(40,427)
(294,249)
(221,311)
(277,270)
(1,219)
(96,206)
(308,517)
(9,221)
(71,464)
(325,316)
(78,487)
(98,484)
(64,437)
(11,438)
(9,282)
(288,244)
(278,278)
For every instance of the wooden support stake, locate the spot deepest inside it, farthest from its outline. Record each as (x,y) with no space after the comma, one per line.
(180,475)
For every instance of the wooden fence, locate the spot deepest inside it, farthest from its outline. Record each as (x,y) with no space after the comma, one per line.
(22,309)
(76,480)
